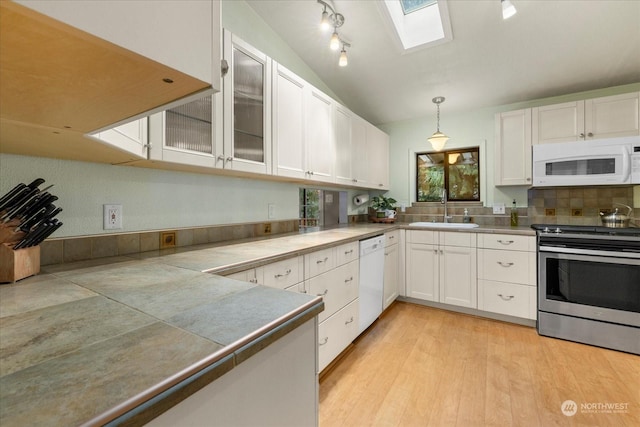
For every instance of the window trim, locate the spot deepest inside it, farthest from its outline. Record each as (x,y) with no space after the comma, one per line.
(447,153)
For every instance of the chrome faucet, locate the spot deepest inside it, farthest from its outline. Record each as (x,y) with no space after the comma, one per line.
(444,202)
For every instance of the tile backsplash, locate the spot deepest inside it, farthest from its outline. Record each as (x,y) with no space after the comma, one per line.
(575,206)
(70,249)
(578,205)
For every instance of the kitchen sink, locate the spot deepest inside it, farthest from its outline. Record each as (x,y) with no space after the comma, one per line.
(442,225)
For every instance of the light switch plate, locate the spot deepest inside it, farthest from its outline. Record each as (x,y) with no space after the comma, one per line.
(498,208)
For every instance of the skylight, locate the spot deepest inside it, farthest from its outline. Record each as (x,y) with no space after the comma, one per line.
(409,6)
(418,23)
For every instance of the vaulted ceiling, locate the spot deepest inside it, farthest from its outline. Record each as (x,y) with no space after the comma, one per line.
(549,48)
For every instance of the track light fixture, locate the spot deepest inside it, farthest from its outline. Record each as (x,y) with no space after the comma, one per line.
(438,139)
(331,18)
(508,9)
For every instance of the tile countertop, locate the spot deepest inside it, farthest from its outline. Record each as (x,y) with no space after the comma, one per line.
(80,342)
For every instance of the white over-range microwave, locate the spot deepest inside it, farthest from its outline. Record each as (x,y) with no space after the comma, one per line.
(611,161)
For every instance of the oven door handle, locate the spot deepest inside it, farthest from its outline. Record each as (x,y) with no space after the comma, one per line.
(562,250)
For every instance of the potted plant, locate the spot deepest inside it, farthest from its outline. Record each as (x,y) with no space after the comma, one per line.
(383,206)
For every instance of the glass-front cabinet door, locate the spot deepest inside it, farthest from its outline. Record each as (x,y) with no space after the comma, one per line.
(184,134)
(247,107)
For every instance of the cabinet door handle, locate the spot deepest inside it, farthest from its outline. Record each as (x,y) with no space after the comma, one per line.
(324,342)
(286,273)
(322,260)
(349,321)
(350,279)
(505,242)
(506,298)
(220,158)
(441,252)
(254,280)
(505,264)
(582,135)
(229,159)
(326,291)
(590,134)
(435,251)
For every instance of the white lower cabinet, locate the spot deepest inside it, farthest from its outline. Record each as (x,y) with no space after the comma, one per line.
(336,333)
(278,386)
(252,275)
(336,287)
(441,267)
(391,268)
(284,274)
(333,273)
(507,275)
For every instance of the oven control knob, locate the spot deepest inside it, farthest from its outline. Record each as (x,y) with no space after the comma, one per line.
(558,230)
(546,230)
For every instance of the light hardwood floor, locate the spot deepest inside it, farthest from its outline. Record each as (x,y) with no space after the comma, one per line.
(420,366)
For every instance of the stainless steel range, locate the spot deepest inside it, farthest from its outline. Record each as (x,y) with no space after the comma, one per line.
(589,285)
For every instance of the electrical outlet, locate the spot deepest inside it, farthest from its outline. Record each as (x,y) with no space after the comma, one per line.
(272,210)
(498,208)
(267,228)
(112,215)
(167,239)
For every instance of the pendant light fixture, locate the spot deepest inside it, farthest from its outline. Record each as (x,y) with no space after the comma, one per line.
(508,9)
(438,139)
(343,61)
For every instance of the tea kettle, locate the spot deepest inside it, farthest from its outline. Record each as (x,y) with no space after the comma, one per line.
(615,219)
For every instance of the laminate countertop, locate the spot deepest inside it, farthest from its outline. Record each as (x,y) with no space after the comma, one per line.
(91,342)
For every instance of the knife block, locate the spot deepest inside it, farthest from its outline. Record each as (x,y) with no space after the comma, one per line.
(18,264)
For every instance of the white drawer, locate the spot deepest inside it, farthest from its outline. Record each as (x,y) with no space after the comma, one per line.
(297,288)
(336,333)
(507,298)
(347,253)
(319,262)
(507,241)
(282,274)
(458,238)
(391,238)
(506,266)
(422,236)
(337,288)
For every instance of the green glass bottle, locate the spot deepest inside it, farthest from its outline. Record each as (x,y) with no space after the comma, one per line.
(514,214)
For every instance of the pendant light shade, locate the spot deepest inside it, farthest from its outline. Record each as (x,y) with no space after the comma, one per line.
(334,44)
(508,9)
(438,139)
(343,62)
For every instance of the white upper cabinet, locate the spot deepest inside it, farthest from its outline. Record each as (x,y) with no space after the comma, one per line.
(289,145)
(247,107)
(351,148)
(378,162)
(181,34)
(513,148)
(319,136)
(613,116)
(130,137)
(184,134)
(605,117)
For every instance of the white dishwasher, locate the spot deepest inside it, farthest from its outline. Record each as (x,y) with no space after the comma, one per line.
(371,280)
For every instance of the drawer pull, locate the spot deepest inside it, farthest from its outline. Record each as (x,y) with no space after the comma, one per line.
(322,260)
(349,321)
(350,279)
(326,291)
(254,280)
(324,342)
(348,252)
(506,242)
(507,298)
(505,264)
(286,273)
